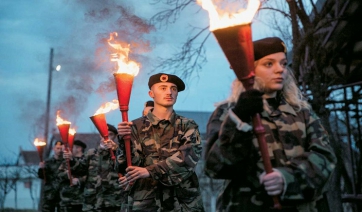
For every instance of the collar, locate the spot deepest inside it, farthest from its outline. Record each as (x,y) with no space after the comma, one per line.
(284,107)
(155,120)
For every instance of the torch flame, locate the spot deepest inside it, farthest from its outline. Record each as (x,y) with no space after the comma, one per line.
(38,142)
(72,131)
(61,121)
(121,57)
(106,107)
(219,21)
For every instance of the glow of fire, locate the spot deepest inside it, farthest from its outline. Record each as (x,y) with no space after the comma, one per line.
(61,121)
(219,21)
(38,142)
(72,131)
(106,107)
(121,57)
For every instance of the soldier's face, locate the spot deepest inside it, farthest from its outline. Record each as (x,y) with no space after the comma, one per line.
(164,94)
(77,150)
(58,150)
(271,69)
(145,111)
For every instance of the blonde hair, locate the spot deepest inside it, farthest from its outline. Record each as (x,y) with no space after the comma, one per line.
(290,91)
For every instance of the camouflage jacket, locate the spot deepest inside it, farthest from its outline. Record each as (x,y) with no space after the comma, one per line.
(51,186)
(101,189)
(169,150)
(298,147)
(72,195)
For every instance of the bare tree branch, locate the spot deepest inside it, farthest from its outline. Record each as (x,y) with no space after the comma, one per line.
(189,59)
(169,16)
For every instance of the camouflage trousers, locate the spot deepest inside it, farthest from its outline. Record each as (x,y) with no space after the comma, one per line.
(71,208)
(50,206)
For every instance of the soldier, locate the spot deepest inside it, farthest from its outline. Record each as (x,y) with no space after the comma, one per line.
(50,201)
(71,197)
(298,144)
(102,191)
(166,150)
(148,106)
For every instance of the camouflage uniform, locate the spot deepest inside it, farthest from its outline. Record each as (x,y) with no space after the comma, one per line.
(51,187)
(71,197)
(102,191)
(169,150)
(298,147)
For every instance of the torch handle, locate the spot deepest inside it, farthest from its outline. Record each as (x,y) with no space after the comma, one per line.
(68,166)
(127,140)
(260,134)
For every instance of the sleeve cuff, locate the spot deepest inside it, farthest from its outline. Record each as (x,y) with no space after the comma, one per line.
(240,125)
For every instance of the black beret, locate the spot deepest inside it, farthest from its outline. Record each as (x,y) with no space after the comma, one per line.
(267,46)
(149,104)
(58,143)
(162,77)
(80,143)
(112,129)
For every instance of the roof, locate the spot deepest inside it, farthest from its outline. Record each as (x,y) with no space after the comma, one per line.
(28,158)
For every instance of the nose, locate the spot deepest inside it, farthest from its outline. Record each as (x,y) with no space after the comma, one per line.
(279,68)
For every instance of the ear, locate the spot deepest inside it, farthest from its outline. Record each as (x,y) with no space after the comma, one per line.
(151,94)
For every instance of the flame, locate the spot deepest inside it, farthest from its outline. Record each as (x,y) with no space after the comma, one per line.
(219,21)
(106,107)
(61,121)
(121,57)
(38,142)
(72,131)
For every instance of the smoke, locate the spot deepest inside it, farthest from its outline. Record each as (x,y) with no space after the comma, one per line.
(84,54)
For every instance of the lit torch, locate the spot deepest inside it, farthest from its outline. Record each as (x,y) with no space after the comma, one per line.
(99,120)
(40,147)
(63,127)
(126,71)
(71,138)
(233,33)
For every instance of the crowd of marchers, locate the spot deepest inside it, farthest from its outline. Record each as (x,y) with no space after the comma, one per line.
(166,147)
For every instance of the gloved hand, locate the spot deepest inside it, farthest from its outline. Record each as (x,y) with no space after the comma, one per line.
(249,103)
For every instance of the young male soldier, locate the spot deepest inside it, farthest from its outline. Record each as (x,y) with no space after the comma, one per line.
(102,192)
(71,196)
(148,106)
(166,149)
(51,186)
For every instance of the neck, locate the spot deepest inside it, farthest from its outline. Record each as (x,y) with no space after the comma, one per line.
(78,155)
(270,95)
(162,112)
(56,157)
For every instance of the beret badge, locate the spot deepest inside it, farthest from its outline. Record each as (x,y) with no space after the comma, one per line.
(163,78)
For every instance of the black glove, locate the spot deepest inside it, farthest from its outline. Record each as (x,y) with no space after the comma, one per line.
(249,103)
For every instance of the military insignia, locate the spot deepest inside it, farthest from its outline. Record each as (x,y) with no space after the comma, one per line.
(163,78)
(285,47)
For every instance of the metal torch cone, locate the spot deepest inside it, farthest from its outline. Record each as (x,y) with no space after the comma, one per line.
(100,123)
(64,132)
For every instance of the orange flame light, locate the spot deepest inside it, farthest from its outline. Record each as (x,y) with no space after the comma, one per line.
(125,65)
(61,121)
(38,142)
(219,21)
(106,107)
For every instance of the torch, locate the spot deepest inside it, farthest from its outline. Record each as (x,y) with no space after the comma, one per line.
(233,33)
(126,71)
(40,147)
(71,138)
(99,120)
(63,127)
